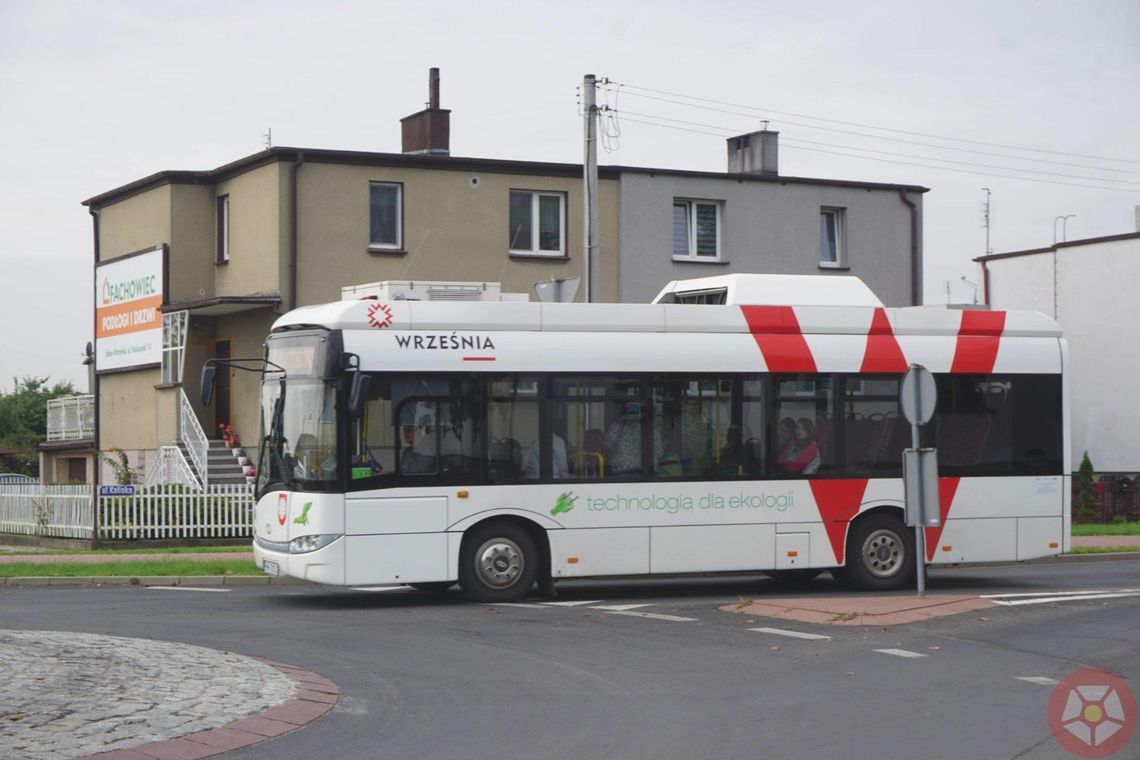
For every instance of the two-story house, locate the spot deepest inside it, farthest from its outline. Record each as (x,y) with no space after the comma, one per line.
(193,265)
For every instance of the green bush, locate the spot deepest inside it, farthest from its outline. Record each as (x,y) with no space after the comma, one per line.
(1087,499)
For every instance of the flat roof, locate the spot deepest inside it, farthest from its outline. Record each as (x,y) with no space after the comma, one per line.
(443,163)
(1055,246)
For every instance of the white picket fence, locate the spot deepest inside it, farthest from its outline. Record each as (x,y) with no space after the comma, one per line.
(37,510)
(219,511)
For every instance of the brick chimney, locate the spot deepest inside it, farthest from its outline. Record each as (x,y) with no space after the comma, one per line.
(428,131)
(754,153)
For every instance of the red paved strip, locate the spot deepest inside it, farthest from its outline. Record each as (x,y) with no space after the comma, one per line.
(882,610)
(316,695)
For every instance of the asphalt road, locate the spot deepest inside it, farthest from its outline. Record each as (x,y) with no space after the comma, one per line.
(433,676)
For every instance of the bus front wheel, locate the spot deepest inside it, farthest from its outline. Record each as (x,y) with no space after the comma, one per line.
(880,554)
(498,563)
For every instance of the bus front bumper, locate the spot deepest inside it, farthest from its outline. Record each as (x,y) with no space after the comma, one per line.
(324,565)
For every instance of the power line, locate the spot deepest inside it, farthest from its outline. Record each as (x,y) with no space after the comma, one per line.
(858,124)
(892,161)
(733,131)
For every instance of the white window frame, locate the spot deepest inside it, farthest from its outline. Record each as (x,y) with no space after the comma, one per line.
(840,217)
(174,326)
(399,244)
(223,256)
(691,205)
(534,249)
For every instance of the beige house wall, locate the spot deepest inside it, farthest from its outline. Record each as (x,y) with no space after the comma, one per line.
(193,243)
(246,332)
(455,227)
(135,224)
(256,243)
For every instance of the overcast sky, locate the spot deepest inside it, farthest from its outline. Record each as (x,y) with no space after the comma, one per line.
(95,95)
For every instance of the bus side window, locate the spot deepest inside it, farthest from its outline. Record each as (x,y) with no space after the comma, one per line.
(373,445)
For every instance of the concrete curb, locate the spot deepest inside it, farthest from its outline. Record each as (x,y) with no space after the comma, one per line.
(1062,559)
(315,696)
(152,580)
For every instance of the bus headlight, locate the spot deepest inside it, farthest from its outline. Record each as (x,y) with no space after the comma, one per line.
(305,544)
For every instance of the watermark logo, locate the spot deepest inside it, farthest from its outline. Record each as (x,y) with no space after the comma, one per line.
(1092,713)
(380,315)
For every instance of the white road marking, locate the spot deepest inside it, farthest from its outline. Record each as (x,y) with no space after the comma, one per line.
(1040,680)
(191,588)
(619,607)
(571,604)
(1069,598)
(654,616)
(793,634)
(521,606)
(901,653)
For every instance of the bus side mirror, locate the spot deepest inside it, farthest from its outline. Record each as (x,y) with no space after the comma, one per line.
(208,384)
(358,394)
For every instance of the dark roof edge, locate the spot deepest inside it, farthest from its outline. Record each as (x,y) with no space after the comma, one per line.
(265,300)
(775,178)
(449,163)
(1056,246)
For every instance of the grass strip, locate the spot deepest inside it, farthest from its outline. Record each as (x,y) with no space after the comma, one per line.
(1112,529)
(1103,549)
(113,552)
(129,568)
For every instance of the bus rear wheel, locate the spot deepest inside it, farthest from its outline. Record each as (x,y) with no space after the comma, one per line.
(880,554)
(498,563)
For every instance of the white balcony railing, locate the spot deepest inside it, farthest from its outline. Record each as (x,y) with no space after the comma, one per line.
(71,418)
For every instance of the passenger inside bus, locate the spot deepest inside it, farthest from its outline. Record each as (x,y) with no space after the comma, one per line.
(560,467)
(801,456)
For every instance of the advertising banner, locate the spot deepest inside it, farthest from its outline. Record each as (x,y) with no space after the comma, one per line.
(128,311)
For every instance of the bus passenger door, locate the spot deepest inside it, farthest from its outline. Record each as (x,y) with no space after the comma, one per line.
(395,539)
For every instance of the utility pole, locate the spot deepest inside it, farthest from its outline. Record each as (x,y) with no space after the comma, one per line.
(986,220)
(590,184)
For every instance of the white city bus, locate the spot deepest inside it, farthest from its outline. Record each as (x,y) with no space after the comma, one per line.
(500,445)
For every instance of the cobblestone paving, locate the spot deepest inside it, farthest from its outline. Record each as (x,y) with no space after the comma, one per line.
(65,695)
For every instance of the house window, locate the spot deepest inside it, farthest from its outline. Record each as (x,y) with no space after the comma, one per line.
(696,230)
(538,223)
(223,229)
(173,345)
(831,253)
(385,216)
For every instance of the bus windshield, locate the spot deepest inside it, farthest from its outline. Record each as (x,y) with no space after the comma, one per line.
(298,416)
(298,448)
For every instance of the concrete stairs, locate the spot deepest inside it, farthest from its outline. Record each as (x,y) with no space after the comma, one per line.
(224,466)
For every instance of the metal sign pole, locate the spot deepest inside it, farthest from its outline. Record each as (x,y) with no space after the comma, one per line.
(919,533)
(917,397)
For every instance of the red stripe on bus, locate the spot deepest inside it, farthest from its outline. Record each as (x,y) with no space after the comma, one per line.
(838,501)
(777,333)
(947,487)
(978,339)
(883,353)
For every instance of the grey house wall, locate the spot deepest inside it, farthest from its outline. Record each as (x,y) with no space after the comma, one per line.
(771,227)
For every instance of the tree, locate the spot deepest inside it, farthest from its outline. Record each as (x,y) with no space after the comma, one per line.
(23,419)
(1087,499)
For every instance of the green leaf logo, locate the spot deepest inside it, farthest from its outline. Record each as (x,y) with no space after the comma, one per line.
(303,518)
(565,503)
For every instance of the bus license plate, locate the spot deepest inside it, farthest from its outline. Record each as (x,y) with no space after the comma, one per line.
(270,567)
